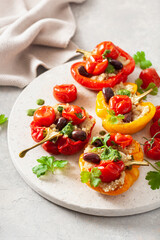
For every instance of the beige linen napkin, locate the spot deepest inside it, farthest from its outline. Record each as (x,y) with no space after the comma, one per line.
(33,33)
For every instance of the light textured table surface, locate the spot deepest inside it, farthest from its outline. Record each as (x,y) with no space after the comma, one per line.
(133,25)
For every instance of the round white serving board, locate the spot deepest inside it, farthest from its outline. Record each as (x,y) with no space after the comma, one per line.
(64,187)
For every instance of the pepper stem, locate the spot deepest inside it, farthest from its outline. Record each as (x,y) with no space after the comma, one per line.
(84,52)
(138,98)
(49,136)
(136,163)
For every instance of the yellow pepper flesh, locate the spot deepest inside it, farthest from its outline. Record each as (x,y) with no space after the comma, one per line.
(124,128)
(130,175)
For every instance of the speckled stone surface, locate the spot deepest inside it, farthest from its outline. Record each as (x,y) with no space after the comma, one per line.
(65,188)
(24,214)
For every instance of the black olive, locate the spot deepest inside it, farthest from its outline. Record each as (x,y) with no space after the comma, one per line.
(127,117)
(82,71)
(116,64)
(97,143)
(91,157)
(107,93)
(61,123)
(79,135)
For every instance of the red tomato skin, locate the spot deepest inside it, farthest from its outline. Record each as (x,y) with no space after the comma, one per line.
(149,75)
(155,128)
(120,104)
(70,114)
(111,170)
(154,152)
(157,114)
(120,139)
(96,65)
(36,131)
(44,116)
(101,47)
(65,93)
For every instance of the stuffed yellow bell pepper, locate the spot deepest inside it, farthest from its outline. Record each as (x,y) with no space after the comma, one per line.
(109,164)
(122,110)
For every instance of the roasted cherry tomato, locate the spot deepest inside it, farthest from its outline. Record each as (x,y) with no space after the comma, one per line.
(152,148)
(37,131)
(155,128)
(120,104)
(44,116)
(148,76)
(111,170)
(96,65)
(120,139)
(101,47)
(65,93)
(74,113)
(157,114)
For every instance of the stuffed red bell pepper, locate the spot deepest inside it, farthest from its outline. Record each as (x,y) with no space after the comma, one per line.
(72,122)
(105,66)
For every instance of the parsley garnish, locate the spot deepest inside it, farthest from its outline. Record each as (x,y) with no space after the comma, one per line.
(123,92)
(110,68)
(79,115)
(110,153)
(153,177)
(48,164)
(92,176)
(68,129)
(113,118)
(104,55)
(60,109)
(140,60)
(103,140)
(152,85)
(3,119)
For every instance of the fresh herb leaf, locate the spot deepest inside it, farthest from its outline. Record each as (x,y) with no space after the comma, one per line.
(123,92)
(60,109)
(3,119)
(104,55)
(40,101)
(154,87)
(110,153)
(110,68)
(95,138)
(153,178)
(158,164)
(48,164)
(92,176)
(141,60)
(113,118)
(30,112)
(79,115)
(68,129)
(106,138)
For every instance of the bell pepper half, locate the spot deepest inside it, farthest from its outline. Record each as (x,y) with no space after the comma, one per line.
(125,128)
(97,85)
(130,175)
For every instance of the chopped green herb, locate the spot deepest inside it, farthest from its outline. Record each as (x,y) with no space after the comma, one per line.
(102,133)
(60,109)
(79,115)
(123,92)
(113,118)
(106,138)
(68,129)
(95,138)
(48,164)
(110,153)
(92,176)
(30,112)
(104,55)
(40,101)
(140,59)
(152,85)
(110,69)
(3,119)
